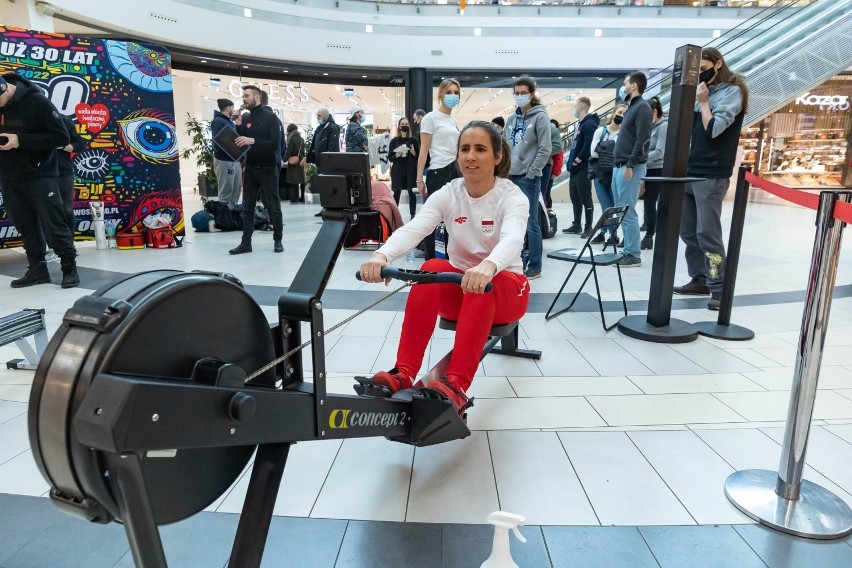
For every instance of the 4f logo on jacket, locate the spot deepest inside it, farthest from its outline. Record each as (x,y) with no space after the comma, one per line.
(460,220)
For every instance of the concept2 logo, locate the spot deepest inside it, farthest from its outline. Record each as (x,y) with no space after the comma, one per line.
(340,419)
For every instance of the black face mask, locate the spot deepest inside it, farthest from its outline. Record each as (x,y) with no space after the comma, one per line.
(617,119)
(403,129)
(707,75)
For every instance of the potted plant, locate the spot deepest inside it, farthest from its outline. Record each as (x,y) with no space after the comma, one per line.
(201,150)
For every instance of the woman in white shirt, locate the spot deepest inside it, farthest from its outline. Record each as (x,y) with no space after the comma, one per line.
(486,218)
(602,166)
(439,139)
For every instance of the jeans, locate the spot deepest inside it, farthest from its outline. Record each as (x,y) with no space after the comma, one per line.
(701,231)
(532,189)
(603,189)
(627,193)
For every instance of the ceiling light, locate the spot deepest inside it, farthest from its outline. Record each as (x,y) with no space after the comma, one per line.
(325,74)
(369,28)
(245,66)
(204,61)
(598,32)
(477,31)
(717,33)
(247,12)
(286,71)
(363,76)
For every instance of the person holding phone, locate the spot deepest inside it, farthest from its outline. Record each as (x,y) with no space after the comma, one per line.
(403,151)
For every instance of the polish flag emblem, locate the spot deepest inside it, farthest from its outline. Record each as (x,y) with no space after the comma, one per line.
(487,225)
(460,220)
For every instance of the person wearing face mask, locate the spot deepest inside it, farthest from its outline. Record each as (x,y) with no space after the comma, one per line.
(439,141)
(600,168)
(356,137)
(402,152)
(579,184)
(721,103)
(655,169)
(326,139)
(629,157)
(528,134)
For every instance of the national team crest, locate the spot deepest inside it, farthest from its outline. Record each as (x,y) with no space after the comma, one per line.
(487,225)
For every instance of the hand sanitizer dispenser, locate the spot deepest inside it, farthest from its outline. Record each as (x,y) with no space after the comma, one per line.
(501,556)
(97,208)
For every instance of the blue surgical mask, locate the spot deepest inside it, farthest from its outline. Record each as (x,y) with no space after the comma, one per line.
(622,94)
(320,121)
(576,114)
(451,101)
(522,100)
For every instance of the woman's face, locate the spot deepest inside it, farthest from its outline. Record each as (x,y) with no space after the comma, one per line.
(620,111)
(403,125)
(476,155)
(450,90)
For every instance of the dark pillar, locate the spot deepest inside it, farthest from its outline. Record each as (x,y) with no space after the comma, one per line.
(419,91)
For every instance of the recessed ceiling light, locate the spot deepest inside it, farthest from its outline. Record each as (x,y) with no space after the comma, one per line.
(477,31)
(247,12)
(325,74)
(717,33)
(204,61)
(368,28)
(363,76)
(286,71)
(245,66)
(598,32)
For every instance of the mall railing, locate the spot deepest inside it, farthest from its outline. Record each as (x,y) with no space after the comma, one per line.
(619,3)
(753,44)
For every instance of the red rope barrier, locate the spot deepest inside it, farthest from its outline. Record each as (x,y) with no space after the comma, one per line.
(842,210)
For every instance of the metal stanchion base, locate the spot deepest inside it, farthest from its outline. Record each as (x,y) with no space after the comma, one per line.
(817,513)
(638,327)
(730,332)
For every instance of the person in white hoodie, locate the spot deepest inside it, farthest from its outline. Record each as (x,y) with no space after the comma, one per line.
(486,218)
(528,134)
(656,152)
(601,166)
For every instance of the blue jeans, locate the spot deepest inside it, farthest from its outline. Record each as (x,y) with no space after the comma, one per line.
(627,193)
(603,190)
(532,189)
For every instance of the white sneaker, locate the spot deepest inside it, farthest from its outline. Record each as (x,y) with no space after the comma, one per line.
(50,256)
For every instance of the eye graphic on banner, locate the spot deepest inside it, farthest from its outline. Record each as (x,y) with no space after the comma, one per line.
(143,66)
(92,164)
(149,136)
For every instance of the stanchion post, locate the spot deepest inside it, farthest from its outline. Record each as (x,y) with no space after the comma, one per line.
(722,327)
(784,501)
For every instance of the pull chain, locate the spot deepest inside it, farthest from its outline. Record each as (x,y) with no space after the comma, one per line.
(295,350)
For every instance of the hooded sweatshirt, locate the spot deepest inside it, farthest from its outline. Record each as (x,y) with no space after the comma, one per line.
(528,135)
(581,149)
(40,131)
(219,123)
(657,149)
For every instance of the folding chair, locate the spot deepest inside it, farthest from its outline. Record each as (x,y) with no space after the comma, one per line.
(612,217)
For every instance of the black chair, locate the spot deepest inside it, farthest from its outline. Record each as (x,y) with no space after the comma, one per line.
(612,217)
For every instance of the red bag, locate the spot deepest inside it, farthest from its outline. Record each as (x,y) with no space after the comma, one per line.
(161,237)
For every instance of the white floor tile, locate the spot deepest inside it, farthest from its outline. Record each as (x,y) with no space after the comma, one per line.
(706,382)
(368,481)
(9,410)
(660,358)
(772,405)
(572,386)
(647,410)
(524,413)
(622,486)
(354,354)
(781,378)
(15,393)
(712,358)
(20,476)
(490,387)
(453,483)
(754,358)
(13,438)
(609,358)
(694,472)
(559,359)
(536,479)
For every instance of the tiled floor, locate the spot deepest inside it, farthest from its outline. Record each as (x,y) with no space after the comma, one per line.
(603,430)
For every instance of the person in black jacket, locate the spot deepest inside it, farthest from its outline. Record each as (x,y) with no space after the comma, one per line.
(31,129)
(402,151)
(261,131)
(326,139)
(66,171)
(229,174)
(579,184)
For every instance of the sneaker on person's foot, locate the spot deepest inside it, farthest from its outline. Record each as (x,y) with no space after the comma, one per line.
(51,256)
(715,302)
(692,288)
(452,393)
(587,232)
(647,243)
(599,240)
(278,247)
(240,249)
(393,380)
(612,240)
(532,274)
(574,229)
(644,227)
(629,261)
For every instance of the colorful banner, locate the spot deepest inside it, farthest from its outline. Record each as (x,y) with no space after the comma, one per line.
(119,94)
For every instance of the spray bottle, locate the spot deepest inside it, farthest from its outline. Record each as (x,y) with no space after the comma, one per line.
(97,208)
(501,555)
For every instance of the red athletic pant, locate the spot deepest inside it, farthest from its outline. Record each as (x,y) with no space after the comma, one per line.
(475,314)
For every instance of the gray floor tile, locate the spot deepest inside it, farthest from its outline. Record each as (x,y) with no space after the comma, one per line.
(779,550)
(467,546)
(315,542)
(370,544)
(597,547)
(700,547)
(22,520)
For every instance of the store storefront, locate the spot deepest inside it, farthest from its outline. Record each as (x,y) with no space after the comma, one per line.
(808,143)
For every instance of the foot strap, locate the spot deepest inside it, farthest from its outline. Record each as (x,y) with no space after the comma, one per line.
(366,387)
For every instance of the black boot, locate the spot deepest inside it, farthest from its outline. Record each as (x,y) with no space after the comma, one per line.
(70,278)
(574,229)
(36,274)
(242,248)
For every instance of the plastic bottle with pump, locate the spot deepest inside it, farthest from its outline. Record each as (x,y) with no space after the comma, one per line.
(501,555)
